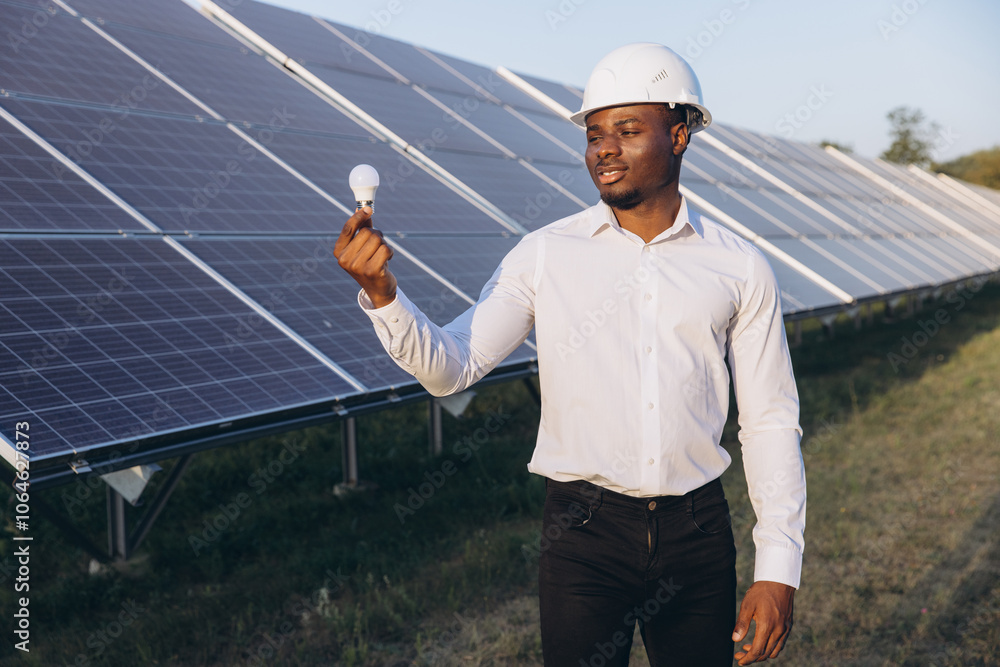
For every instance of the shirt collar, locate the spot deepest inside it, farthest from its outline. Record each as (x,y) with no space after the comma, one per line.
(602,217)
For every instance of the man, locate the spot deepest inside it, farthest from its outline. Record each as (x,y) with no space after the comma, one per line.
(637,303)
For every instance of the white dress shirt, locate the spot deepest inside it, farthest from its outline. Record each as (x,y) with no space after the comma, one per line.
(632,345)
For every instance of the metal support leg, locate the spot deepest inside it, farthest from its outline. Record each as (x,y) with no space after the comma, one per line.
(163,495)
(349,433)
(117,541)
(435,429)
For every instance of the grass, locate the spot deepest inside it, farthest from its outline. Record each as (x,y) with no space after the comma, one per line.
(903,547)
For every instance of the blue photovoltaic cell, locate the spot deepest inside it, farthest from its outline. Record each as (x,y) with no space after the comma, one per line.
(951,205)
(524,141)
(517,192)
(37,193)
(408,198)
(564,95)
(466,262)
(303,38)
(406,112)
(574,178)
(174,17)
(237,84)
(883,212)
(107,340)
(798,293)
(302,284)
(494,84)
(67,60)
(402,57)
(871,211)
(181,173)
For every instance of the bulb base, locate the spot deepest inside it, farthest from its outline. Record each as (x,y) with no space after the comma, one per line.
(365,202)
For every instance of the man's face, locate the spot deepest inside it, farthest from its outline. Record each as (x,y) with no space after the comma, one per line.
(631,153)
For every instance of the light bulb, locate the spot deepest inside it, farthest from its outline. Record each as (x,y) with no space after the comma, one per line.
(364,181)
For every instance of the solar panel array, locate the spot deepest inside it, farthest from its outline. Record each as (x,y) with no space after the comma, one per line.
(173,184)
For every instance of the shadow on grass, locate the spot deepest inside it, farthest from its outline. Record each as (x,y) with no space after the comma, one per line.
(972,571)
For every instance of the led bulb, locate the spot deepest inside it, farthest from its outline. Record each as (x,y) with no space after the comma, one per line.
(364,181)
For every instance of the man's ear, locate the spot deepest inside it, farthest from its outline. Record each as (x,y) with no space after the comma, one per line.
(680,135)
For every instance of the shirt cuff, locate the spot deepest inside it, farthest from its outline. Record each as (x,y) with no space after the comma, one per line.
(778,564)
(393,318)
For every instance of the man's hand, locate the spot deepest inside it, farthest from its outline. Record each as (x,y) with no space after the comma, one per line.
(363,253)
(770,604)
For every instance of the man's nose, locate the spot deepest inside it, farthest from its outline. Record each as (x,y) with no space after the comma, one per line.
(608,147)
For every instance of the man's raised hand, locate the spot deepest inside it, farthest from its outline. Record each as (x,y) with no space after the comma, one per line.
(362,252)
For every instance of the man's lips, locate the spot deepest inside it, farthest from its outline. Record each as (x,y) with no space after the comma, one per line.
(610,173)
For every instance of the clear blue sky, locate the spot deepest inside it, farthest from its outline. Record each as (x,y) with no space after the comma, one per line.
(758,62)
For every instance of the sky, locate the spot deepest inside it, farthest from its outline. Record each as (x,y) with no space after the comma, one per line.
(798,69)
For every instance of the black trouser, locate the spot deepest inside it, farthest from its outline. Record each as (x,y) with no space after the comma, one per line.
(610,561)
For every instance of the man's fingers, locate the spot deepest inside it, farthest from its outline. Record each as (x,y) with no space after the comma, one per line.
(780,644)
(743,622)
(366,256)
(360,219)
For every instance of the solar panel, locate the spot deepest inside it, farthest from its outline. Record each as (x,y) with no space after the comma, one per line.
(39,194)
(409,199)
(406,112)
(567,96)
(466,262)
(113,339)
(428,125)
(517,192)
(182,173)
(313,44)
(170,16)
(66,60)
(300,282)
(508,130)
(946,202)
(237,83)
(914,239)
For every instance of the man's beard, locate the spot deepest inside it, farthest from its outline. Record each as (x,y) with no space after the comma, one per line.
(623,201)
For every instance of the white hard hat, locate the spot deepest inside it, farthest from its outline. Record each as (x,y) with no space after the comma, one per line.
(639,74)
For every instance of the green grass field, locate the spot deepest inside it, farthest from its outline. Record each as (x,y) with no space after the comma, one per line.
(902,565)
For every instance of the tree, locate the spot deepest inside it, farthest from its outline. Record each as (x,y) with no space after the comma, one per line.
(982,167)
(843,148)
(912,141)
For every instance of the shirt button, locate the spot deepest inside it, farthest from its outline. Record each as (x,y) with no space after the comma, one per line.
(650,461)
(652,505)
(648,349)
(393,319)
(649,297)
(649,406)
